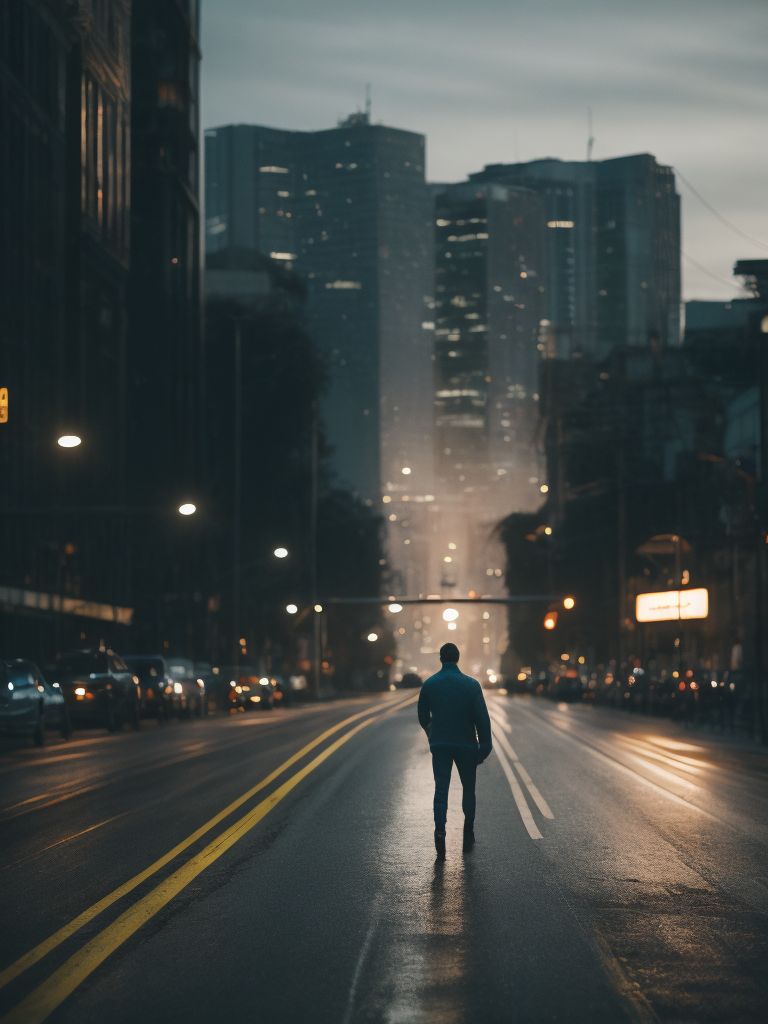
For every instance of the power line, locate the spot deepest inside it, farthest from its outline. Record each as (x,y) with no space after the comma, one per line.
(711,273)
(719,216)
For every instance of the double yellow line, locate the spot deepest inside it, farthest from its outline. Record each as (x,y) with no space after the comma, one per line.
(44,999)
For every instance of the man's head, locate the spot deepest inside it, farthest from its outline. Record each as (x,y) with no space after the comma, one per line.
(449,652)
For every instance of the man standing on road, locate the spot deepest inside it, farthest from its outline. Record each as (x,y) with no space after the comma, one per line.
(453,714)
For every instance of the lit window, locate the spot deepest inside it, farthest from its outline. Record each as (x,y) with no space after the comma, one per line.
(273,170)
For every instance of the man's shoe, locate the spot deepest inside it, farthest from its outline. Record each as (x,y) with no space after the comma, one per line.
(440,844)
(469,837)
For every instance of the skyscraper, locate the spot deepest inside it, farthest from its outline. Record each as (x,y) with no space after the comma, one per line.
(488,306)
(613,251)
(346,208)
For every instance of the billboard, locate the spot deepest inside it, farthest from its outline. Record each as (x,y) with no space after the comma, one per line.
(672,604)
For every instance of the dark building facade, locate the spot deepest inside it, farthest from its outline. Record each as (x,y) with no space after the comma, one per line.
(164,461)
(347,209)
(74,519)
(613,251)
(64,110)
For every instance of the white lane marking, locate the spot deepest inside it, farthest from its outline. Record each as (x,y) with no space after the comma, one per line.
(498,708)
(357,972)
(517,793)
(499,721)
(539,800)
(614,762)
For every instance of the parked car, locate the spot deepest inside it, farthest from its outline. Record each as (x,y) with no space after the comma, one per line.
(98,688)
(155,685)
(410,681)
(188,688)
(29,704)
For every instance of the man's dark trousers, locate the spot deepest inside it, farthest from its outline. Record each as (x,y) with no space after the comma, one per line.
(443,759)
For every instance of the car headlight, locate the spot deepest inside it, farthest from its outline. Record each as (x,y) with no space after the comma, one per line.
(177,687)
(80,691)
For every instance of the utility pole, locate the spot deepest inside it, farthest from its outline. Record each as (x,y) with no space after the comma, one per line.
(236,496)
(316,635)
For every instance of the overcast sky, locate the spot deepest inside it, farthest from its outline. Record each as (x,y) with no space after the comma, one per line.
(499,80)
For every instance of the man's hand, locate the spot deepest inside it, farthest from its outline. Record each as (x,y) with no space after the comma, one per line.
(482,752)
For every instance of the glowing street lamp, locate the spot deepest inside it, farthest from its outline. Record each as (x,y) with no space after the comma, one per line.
(395,608)
(373,637)
(550,620)
(291,609)
(69,441)
(281,552)
(187,509)
(450,615)
(568,603)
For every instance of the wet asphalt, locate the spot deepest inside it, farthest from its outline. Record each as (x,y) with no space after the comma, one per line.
(632,887)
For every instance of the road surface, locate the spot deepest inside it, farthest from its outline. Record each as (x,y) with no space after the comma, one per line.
(279,867)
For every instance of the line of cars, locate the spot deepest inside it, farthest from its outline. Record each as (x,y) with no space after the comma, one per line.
(96,687)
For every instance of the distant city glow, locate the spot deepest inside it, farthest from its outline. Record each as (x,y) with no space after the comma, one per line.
(69,441)
(450,615)
(187,509)
(291,609)
(395,608)
(281,552)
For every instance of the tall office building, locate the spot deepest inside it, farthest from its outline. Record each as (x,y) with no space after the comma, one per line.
(637,239)
(613,251)
(64,248)
(347,209)
(489,303)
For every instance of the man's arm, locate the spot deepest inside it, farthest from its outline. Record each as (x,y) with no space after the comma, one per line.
(482,724)
(425,715)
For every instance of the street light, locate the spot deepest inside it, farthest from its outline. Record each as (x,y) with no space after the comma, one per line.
(568,603)
(187,509)
(291,609)
(394,608)
(450,615)
(373,636)
(69,441)
(280,552)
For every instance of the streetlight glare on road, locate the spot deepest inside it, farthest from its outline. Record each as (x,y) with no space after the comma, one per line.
(69,441)
(187,509)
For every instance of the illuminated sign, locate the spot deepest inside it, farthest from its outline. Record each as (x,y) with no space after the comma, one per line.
(3,405)
(672,604)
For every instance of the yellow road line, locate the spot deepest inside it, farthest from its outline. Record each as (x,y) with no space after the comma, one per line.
(64,933)
(44,999)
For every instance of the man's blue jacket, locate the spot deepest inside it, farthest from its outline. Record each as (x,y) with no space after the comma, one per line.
(452,711)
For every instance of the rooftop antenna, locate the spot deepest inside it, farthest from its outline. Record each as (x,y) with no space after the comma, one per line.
(368,102)
(590,136)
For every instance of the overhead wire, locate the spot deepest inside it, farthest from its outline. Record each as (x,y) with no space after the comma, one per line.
(719,216)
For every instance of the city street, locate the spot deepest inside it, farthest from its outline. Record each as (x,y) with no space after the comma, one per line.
(280,867)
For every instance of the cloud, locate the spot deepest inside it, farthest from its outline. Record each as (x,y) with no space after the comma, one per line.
(495,79)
